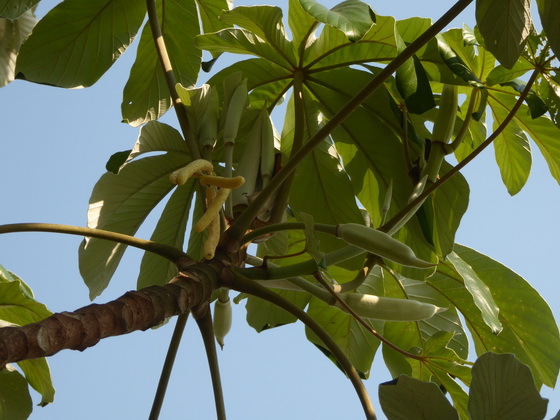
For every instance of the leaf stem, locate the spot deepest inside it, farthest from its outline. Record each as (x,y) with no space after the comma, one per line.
(242,223)
(165,62)
(244,285)
(431,188)
(171,253)
(168,366)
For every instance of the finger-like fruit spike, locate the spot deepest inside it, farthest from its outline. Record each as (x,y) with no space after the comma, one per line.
(447,113)
(222,182)
(222,320)
(236,106)
(181,176)
(213,209)
(388,309)
(267,148)
(212,238)
(208,131)
(381,244)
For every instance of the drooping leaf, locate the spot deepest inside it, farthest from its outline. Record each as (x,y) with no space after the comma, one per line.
(503,387)
(512,148)
(78,41)
(170,229)
(14,9)
(549,10)
(352,17)
(407,398)
(38,374)
(146,96)
(529,330)
(15,401)
(12,35)
(262,315)
(120,203)
(505,26)
(481,294)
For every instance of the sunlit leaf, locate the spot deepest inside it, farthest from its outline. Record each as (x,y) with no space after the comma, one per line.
(549,10)
(17,308)
(12,34)
(78,41)
(120,203)
(351,17)
(300,23)
(38,374)
(529,330)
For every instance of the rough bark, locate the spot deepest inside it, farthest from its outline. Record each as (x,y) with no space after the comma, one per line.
(85,327)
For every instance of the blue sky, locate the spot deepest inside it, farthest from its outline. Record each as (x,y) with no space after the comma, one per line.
(55,144)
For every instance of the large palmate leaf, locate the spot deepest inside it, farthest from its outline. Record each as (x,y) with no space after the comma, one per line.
(352,17)
(529,330)
(12,34)
(78,40)
(146,96)
(300,23)
(505,26)
(332,49)
(13,9)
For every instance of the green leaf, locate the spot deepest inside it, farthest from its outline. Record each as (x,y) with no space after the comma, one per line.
(481,294)
(266,23)
(146,95)
(12,35)
(13,9)
(410,335)
(512,148)
(529,329)
(120,203)
(300,23)
(500,74)
(351,17)
(505,26)
(170,230)
(7,276)
(15,401)
(196,239)
(16,307)
(262,315)
(38,375)
(116,161)
(549,10)
(78,40)
(456,64)
(503,387)
(409,398)
(311,240)
(332,49)
(209,11)
(355,341)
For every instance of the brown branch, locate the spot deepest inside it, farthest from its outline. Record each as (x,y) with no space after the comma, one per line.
(134,311)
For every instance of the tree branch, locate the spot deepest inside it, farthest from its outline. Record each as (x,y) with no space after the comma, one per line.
(134,311)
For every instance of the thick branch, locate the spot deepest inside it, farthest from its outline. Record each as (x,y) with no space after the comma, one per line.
(134,311)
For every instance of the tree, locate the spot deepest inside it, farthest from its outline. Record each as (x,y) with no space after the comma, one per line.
(329,163)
